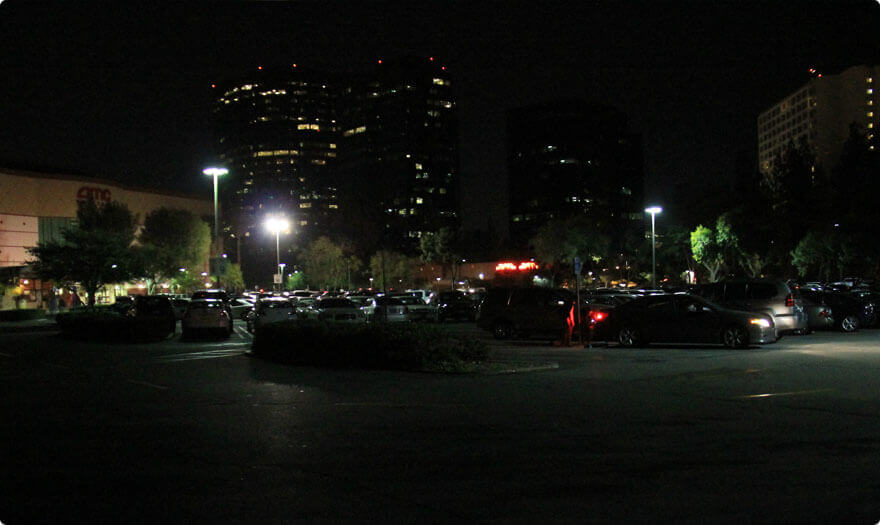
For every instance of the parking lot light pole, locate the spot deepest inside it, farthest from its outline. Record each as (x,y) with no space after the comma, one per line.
(216,172)
(276,225)
(653,210)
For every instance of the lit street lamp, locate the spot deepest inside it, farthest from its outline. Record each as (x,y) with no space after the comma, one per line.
(653,210)
(276,225)
(216,172)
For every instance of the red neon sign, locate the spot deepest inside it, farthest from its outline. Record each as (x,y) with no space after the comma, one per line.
(96,194)
(521,267)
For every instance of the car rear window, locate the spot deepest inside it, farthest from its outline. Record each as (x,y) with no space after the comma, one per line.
(734,291)
(762,291)
(277,304)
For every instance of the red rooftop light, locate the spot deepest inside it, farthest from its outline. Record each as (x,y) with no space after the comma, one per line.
(431,59)
(443,68)
(380,60)
(260,68)
(294,65)
(213,86)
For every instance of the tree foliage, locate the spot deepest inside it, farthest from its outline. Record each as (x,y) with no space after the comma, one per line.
(172,239)
(716,249)
(558,241)
(327,265)
(441,247)
(93,252)
(392,269)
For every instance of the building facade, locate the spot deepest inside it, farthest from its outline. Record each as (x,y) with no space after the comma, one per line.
(820,112)
(569,158)
(35,207)
(368,158)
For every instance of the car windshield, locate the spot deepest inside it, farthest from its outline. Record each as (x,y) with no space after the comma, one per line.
(388,301)
(203,304)
(409,299)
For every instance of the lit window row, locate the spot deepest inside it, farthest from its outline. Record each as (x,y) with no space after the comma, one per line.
(441,82)
(275,153)
(273,92)
(314,127)
(354,131)
(305,205)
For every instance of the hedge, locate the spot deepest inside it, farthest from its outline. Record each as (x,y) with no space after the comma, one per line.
(22,315)
(109,326)
(395,346)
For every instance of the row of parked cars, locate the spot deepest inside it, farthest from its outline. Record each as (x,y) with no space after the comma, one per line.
(214,310)
(735,313)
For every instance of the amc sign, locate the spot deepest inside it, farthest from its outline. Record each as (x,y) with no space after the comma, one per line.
(96,194)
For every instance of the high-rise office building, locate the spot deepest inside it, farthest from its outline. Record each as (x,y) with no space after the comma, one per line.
(367,157)
(821,112)
(568,157)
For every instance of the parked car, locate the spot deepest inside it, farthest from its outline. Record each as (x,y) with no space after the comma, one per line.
(206,315)
(240,307)
(770,296)
(156,308)
(336,309)
(417,308)
(179,304)
(122,303)
(386,309)
(682,318)
(270,310)
(525,312)
(819,315)
(850,313)
(455,305)
(213,293)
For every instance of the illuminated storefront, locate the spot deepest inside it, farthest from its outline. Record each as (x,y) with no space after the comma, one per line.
(35,207)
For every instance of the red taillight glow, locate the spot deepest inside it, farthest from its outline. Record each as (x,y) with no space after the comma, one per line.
(789,301)
(823,313)
(598,316)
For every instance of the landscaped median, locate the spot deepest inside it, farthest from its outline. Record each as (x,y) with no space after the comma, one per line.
(107,325)
(394,346)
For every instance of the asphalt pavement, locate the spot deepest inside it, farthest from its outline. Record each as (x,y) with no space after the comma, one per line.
(202,431)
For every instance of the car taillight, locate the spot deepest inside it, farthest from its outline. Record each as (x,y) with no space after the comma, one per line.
(789,301)
(597,316)
(823,313)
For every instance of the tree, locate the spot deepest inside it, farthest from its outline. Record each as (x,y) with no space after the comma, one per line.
(715,249)
(558,241)
(326,265)
(391,268)
(231,277)
(172,239)
(93,252)
(440,247)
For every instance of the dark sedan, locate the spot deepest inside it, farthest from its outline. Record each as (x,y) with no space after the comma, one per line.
(850,312)
(681,318)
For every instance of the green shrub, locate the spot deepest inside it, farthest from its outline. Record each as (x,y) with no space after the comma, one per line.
(106,325)
(402,346)
(21,315)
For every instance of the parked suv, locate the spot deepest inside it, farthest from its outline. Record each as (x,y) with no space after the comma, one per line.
(769,296)
(525,312)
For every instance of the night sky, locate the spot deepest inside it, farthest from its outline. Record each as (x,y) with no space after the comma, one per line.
(121,90)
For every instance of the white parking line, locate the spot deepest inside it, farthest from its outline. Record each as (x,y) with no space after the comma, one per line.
(236,349)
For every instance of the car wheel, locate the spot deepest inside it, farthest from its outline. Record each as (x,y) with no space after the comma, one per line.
(629,337)
(502,330)
(735,337)
(849,323)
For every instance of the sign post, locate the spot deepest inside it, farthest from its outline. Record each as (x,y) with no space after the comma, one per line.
(577,282)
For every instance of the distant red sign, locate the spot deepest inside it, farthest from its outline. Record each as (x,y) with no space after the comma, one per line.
(521,267)
(96,194)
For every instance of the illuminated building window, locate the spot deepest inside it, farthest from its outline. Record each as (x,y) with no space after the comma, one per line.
(314,127)
(332,146)
(354,131)
(401,212)
(870,90)
(442,190)
(303,223)
(305,205)
(319,162)
(446,104)
(333,206)
(869,80)
(870,113)
(870,125)
(432,113)
(419,200)
(441,82)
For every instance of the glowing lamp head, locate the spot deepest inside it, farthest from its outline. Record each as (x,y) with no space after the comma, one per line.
(215,172)
(277,224)
(653,210)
